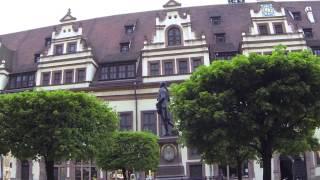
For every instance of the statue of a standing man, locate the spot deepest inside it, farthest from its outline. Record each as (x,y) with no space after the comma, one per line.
(162,106)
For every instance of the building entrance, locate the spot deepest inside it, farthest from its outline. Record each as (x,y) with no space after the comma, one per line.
(292,168)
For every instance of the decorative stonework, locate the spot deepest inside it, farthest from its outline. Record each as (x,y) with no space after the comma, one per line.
(254,41)
(169,152)
(68,33)
(172,4)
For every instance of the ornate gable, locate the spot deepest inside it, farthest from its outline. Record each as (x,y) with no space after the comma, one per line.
(68,17)
(172,4)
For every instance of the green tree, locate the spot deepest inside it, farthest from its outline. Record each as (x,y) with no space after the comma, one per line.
(54,125)
(130,151)
(266,99)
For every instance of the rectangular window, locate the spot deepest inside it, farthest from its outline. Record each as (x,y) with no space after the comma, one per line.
(122,71)
(12,82)
(46,79)
(316,51)
(154,68)
(78,173)
(317,157)
(131,71)
(68,76)
(21,81)
(233,171)
(296,16)
(72,47)
(149,121)
(195,171)
(37,58)
(126,121)
(278,28)
(263,29)
(308,33)
(196,62)
(168,67)
(31,80)
(25,81)
(113,72)
(129,29)
(220,37)
(124,47)
(18,81)
(81,75)
(183,66)
(58,49)
(216,20)
(47,41)
(57,77)
(104,74)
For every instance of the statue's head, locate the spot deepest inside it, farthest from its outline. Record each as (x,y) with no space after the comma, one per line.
(163,84)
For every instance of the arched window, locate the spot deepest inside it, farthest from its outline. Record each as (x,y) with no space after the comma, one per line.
(174,36)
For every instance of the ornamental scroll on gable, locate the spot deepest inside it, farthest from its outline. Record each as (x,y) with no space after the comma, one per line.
(68,31)
(267,10)
(68,27)
(173,16)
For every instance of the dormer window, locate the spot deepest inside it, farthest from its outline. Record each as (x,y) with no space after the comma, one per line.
(129,29)
(72,47)
(47,41)
(216,20)
(174,36)
(235,1)
(308,33)
(296,16)
(220,38)
(37,58)
(124,47)
(58,49)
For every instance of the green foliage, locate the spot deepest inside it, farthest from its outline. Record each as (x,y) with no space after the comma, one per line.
(267,102)
(56,125)
(131,151)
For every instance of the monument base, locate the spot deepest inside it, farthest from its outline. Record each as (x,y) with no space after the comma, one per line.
(170,159)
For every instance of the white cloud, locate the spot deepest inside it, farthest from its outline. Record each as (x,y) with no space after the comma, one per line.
(18,15)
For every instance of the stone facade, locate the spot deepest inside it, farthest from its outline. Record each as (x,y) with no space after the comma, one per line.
(122,59)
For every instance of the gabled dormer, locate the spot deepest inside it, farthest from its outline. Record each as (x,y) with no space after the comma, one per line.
(6,56)
(173,28)
(270,27)
(175,50)
(68,61)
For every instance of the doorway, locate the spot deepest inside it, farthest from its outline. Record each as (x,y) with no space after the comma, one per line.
(293,168)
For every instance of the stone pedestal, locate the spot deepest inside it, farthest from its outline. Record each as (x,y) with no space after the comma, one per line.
(170,159)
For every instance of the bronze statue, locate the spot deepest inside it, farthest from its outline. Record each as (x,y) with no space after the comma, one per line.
(162,107)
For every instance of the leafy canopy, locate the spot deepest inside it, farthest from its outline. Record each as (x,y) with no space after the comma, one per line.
(57,125)
(270,103)
(131,151)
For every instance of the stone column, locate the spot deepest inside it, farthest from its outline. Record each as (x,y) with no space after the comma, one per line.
(42,169)
(276,167)
(251,174)
(310,164)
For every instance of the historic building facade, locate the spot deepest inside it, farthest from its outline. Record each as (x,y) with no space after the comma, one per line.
(122,59)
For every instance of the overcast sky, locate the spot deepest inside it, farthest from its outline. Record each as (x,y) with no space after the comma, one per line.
(19,15)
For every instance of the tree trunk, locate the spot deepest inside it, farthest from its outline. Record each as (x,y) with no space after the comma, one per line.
(49,169)
(239,169)
(124,173)
(266,159)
